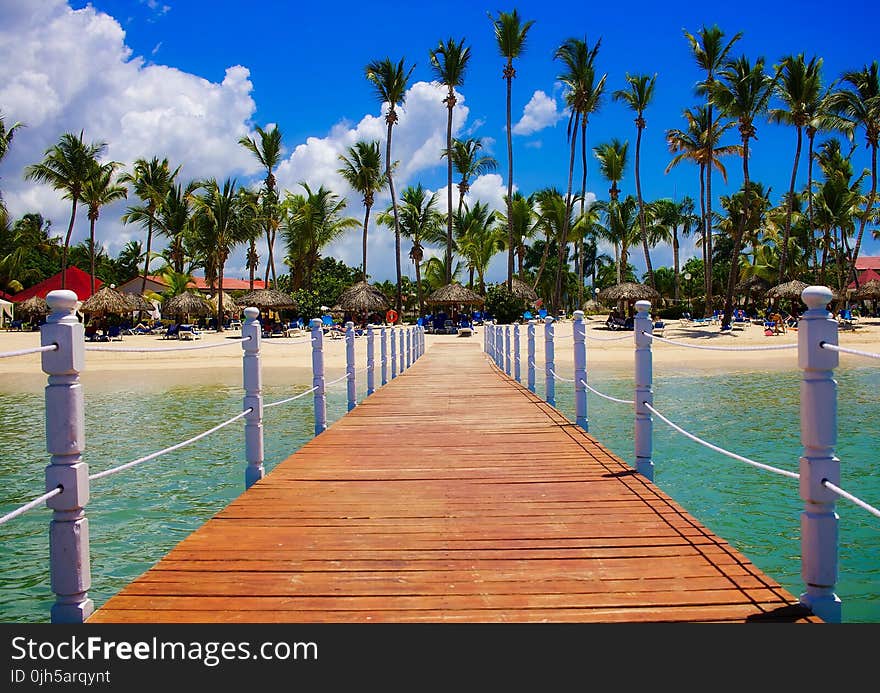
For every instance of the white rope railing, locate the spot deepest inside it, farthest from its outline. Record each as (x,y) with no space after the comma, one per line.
(769,347)
(840,492)
(32,350)
(289,399)
(559,377)
(607,339)
(604,396)
(30,505)
(128,465)
(339,379)
(856,352)
(733,455)
(146,350)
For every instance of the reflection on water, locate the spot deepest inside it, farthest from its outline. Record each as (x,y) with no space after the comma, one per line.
(137,516)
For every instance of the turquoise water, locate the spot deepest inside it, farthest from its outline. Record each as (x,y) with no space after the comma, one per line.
(137,516)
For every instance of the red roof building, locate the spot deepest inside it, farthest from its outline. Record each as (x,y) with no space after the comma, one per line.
(866,262)
(77,281)
(157,284)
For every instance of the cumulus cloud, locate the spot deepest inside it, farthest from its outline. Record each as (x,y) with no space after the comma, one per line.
(539,113)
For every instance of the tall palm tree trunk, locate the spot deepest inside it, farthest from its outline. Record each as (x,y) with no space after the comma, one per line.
(92,254)
(783,257)
(642,227)
(544,256)
(580,244)
(252,250)
(220,297)
(67,243)
(450,104)
(563,241)
(419,288)
(811,136)
(675,262)
(147,260)
(703,222)
(864,221)
(396,219)
(737,240)
(508,74)
(366,224)
(707,238)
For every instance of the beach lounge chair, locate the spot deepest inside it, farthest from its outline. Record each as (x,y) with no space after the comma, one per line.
(188,332)
(171,332)
(845,319)
(114,333)
(659,328)
(527,315)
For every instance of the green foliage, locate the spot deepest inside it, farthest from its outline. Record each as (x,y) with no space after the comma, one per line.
(502,305)
(308,303)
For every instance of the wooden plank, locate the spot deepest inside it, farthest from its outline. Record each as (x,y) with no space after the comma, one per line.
(431,501)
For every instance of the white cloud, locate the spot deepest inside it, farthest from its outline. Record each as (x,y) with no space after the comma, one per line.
(539,113)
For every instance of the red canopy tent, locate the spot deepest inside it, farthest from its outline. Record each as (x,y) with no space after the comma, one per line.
(77,281)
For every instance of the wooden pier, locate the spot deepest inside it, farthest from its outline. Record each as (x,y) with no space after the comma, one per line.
(453,494)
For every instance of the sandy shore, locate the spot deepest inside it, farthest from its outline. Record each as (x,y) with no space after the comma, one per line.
(288,359)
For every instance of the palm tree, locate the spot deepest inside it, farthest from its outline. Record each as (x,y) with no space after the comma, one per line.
(621,229)
(151,180)
(479,239)
(220,227)
(6,134)
(67,166)
(582,95)
(268,152)
(861,106)
(612,162)
(524,226)
(637,96)
(800,90)
(449,62)
(389,82)
(694,145)
(174,220)
(711,53)
(469,164)
(742,93)
(100,189)
(551,220)
(419,219)
(510,35)
(362,170)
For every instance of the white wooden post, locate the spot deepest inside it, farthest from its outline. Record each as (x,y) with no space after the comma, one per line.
(499,346)
(393,355)
(530,354)
(318,375)
(401,353)
(371,366)
(349,365)
(578,328)
(507,354)
(253,396)
(486,338)
(409,346)
(549,364)
(819,520)
(422,340)
(69,562)
(516,365)
(644,424)
(383,354)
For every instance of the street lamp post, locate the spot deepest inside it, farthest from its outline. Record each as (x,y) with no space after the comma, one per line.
(687,278)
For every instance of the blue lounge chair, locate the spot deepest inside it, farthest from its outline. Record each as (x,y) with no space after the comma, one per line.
(528,315)
(542,313)
(172,331)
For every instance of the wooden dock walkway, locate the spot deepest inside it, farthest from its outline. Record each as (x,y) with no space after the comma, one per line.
(453,494)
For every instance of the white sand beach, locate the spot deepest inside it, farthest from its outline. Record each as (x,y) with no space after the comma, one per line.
(289,358)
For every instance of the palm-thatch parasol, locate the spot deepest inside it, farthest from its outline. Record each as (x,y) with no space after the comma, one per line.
(752,285)
(229,303)
(627,291)
(186,303)
(454,295)
(106,300)
(792,289)
(35,305)
(140,303)
(870,290)
(522,290)
(270,299)
(362,297)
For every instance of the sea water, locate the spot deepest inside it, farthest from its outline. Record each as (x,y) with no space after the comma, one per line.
(138,515)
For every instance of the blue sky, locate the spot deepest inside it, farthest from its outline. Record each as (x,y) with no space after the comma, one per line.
(300,65)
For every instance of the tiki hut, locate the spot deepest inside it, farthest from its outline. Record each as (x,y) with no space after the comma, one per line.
(628,291)
(520,289)
(106,301)
(35,306)
(186,304)
(791,290)
(140,303)
(454,295)
(362,298)
(869,291)
(267,299)
(752,286)
(229,304)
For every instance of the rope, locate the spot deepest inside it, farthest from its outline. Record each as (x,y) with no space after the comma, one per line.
(237,340)
(607,339)
(839,491)
(31,505)
(833,347)
(341,377)
(290,399)
(694,438)
(32,350)
(720,348)
(608,397)
(559,377)
(154,455)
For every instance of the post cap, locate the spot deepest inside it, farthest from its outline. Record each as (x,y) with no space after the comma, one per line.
(315,322)
(61,300)
(643,306)
(578,315)
(548,319)
(816,297)
(251,313)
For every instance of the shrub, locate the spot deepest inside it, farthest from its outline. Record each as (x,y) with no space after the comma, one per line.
(502,305)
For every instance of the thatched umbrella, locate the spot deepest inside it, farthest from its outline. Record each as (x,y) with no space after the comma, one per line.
(229,303)
(454,295)
(362,297)
(522,290)
(186,303)
(105,301)
(140,303)
(792,289)
(752,285)
(628,291)
(870,290)
(33,306)
(270,299)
